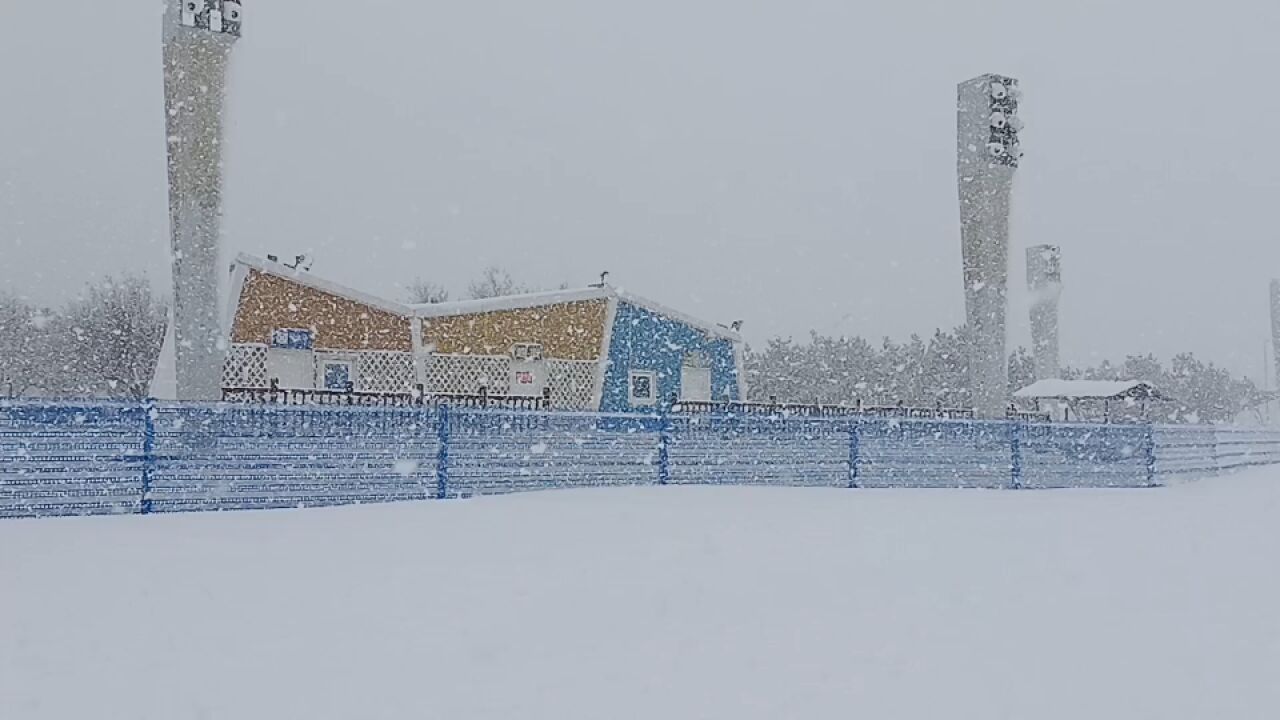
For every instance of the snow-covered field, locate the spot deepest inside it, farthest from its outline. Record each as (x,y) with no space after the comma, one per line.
(693,602)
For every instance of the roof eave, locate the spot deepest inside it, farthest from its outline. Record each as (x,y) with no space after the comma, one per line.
(305,278)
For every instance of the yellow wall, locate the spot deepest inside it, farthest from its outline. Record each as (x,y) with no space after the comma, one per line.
(569,331)
(268,303)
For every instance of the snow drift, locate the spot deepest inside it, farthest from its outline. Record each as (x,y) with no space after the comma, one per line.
(675,602)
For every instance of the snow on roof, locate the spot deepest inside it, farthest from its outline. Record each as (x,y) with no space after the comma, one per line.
(487,305)
(302,277)
(559,297)
(1083,389)
(508,302)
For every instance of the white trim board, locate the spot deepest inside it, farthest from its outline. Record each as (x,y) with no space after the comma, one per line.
(606,347)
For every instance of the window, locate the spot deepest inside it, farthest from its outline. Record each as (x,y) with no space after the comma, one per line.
(531,352)
(291,339)
(643,388)
(337,375)
(695,377)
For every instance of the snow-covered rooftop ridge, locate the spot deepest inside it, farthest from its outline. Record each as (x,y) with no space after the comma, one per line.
(303,277)
(486,305)
(509,302)
(1081,389)
(558,297)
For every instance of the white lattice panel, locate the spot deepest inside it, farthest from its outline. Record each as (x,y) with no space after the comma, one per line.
(245,367)
(384,371)
(572,383)
(466,374)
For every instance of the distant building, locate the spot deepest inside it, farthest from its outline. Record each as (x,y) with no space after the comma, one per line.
(596,348)
(1091,400)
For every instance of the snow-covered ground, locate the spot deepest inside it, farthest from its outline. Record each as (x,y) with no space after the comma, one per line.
(693,602)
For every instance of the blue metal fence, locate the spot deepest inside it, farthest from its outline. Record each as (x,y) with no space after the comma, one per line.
(74,459)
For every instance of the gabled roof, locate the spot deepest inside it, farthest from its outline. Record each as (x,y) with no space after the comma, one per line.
(487,305)
(1087,390)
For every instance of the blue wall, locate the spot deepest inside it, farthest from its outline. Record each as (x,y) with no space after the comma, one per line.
(644,340)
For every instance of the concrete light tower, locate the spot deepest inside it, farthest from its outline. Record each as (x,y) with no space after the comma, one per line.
(198,35)
(988,154)
(1044,280)
(1275,327)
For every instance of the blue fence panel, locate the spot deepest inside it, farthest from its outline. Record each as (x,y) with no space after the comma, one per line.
(1242,447)
(1185,451)
(746,450)
(502,451)
(912,453)
(1066,455)
(67,459)
(70,459)
(235,457)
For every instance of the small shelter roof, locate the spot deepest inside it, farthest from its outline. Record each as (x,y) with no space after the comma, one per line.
(1088,390)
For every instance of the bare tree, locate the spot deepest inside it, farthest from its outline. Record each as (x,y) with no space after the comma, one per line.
(25,360)
(425,292)
(495,282)
(111,337)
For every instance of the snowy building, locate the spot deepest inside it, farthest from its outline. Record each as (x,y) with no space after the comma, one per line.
(1091,400)
(595,348)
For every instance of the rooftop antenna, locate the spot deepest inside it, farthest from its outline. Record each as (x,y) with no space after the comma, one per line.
(604,280)
(304,261)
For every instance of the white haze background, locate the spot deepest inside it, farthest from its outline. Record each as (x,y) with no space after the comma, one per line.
(789,164)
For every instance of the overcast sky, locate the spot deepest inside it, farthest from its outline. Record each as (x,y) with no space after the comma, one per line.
(790,164)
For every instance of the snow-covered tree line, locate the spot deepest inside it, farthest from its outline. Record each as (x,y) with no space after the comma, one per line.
(925,372)
(843,370)
(106,341)
(103,343)
(494,281)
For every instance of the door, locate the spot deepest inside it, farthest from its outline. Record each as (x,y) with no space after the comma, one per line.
(528,373)
(695,384)
(291,369)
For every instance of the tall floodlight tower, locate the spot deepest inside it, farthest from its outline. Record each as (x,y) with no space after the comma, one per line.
(1275,327)
(198,35)
(1044,280)
(988,124)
